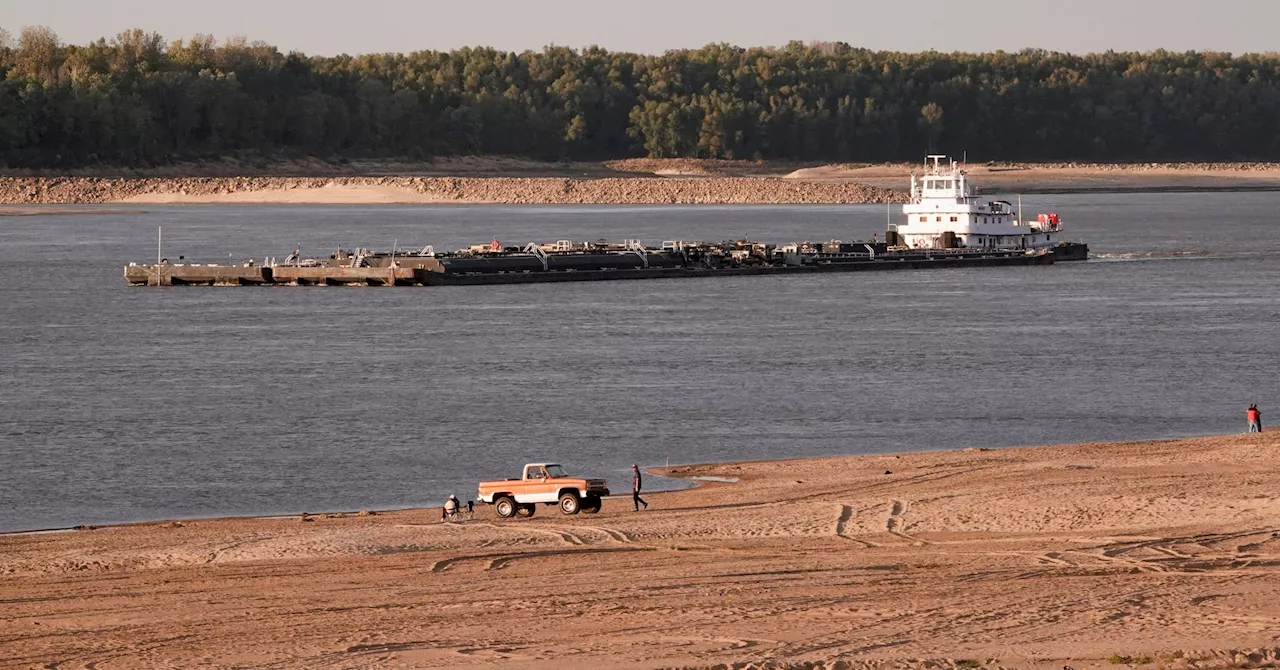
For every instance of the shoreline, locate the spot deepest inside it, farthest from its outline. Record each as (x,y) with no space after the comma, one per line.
(692,481)
(627,182)
(437,190)
(1018,557)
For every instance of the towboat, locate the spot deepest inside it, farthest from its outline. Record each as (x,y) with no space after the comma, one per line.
(944,212)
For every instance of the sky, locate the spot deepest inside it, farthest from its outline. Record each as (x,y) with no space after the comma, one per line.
(330,27)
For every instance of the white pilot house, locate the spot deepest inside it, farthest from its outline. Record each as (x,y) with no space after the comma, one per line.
(945,214)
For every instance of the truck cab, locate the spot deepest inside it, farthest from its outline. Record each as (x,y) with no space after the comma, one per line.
(545,483)
(543,471)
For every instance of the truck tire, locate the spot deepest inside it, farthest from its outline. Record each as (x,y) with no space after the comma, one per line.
(569,503)
(591,504)
(505,507)
(526,511)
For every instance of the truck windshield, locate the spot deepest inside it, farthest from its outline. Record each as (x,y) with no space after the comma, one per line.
(556,471)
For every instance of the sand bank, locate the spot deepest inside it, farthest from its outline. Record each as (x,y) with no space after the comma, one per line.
(382,190)
(329,194)
(1072,177)
(51,210)
(631,181)
(1166,554)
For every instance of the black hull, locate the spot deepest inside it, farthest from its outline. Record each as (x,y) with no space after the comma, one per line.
(1071,251)
(427,271)
(924,263)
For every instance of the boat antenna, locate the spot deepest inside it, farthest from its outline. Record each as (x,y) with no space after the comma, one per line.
(159,239)
(1019,209)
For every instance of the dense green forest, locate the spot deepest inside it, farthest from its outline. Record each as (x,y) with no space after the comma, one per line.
(137,100)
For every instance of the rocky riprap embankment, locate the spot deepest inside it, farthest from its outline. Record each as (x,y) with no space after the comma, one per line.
(639,190)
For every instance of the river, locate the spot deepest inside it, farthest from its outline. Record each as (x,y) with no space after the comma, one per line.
(121,404)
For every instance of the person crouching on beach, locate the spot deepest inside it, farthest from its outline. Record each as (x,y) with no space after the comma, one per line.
(450,508)
(635,488)
(1255,419)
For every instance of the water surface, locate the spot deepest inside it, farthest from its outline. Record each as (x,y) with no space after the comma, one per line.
(122,403)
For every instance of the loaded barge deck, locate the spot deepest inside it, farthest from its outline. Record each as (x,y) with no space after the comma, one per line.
(947,225)
(564,261)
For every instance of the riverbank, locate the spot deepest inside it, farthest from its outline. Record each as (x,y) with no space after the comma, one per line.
(421,190)
(1162,554)
(1074,177)
(632,181)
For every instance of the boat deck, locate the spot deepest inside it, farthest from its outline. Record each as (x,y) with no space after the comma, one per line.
(435,275)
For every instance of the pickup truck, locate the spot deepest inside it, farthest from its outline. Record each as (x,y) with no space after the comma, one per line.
(544,483)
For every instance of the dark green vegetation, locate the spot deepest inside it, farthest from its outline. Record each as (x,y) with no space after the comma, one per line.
(135,100)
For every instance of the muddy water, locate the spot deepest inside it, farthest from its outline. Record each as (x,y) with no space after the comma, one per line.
(121,403)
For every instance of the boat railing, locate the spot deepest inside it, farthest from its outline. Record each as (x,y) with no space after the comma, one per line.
(539,253)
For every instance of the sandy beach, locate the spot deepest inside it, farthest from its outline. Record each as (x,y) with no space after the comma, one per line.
(1155,554)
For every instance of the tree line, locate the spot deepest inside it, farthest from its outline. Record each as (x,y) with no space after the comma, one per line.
(138,100)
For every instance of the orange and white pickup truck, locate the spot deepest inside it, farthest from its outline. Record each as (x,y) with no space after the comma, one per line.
(544,483)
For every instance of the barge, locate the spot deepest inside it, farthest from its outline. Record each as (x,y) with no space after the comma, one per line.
(513,268)
(947,226)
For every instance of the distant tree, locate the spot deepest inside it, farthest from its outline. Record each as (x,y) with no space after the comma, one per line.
(135,100)
(135,53)
(931,121)
(37,56)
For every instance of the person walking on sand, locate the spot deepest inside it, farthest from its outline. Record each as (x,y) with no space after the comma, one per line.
(1255,419)
(635,488)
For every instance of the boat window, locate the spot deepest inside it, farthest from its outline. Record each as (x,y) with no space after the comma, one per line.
(923,219)
(953,219)
(939,218)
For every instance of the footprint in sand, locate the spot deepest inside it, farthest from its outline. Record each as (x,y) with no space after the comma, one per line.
(842,522)
(894,524)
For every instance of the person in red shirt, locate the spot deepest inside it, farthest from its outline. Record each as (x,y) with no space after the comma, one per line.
(1255,419)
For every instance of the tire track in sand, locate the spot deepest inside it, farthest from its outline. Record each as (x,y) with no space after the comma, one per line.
(503,561)
(564,535)
(610,533)
(616,534)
